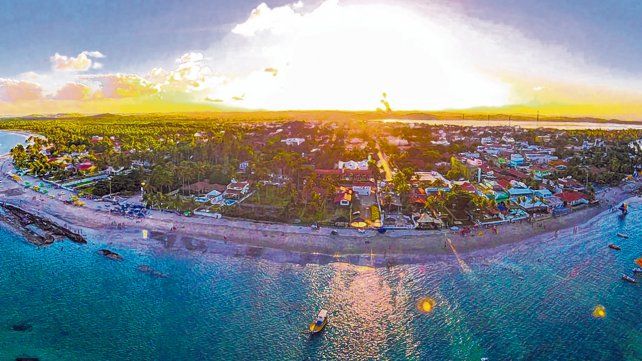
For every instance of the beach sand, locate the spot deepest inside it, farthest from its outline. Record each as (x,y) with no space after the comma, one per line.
(169,232)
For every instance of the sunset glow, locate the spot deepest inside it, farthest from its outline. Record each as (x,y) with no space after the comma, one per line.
(339,55)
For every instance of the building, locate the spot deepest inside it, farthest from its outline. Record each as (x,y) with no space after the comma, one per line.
(436,181)
(236,190)
(293,141)
(353,165)
(573,198)
(363,188)
(516,160)
(343,198)
(216,194)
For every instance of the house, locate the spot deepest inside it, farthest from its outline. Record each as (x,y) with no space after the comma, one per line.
(426,221)
(363,188)
(487,140)
(540,158)
(516,160)
(236,190)
(466,186)
(569,183)
(472,162)
(399,142)
(573,198)
(216,194)
(353,165)
(532,205)
(558,165)
(540,172)
(436,182)
(343,198)
(443,142)
(554,202)
(293,141)
(520,192)
(243,166)
(542,138)
(543,193)
(345,174)
(85,166)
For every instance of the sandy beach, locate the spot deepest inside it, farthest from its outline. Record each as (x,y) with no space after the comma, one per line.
(169,232)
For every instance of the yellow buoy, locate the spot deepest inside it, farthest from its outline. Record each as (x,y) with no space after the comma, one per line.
(599,311)
(426,305)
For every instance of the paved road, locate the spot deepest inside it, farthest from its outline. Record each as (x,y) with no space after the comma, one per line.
(383,161)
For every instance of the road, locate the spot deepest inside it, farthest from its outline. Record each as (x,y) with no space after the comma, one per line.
(383,161)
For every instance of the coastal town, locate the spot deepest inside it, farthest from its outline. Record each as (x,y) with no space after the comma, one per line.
(362,174)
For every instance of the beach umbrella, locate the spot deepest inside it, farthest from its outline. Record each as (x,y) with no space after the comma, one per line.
(638,261)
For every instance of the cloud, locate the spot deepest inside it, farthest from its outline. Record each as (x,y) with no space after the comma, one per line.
(73,91)
(15,91)
(272,71)
(264,18)
(344,55)
(190,58)
(82,62)
(191,76)
(121,85)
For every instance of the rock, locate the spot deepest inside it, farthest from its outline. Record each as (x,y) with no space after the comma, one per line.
(22,327)
(150,271)
(111,255)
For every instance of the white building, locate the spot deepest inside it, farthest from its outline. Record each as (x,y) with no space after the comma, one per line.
(293,141)
(353,165)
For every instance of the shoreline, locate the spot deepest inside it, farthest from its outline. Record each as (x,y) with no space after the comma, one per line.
(169,233)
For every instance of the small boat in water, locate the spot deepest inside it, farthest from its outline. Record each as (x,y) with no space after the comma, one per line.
(622,235)
(637,270)
(629,279)
(319,324)
(615,247)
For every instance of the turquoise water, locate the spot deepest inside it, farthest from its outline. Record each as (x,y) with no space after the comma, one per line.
(9,140)
(531,301)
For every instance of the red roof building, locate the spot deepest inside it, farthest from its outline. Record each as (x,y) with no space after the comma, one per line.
(573,198)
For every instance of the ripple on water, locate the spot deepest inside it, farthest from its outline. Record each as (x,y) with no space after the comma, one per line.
(530,301)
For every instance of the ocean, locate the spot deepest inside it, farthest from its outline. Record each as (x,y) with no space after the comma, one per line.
(9,140)
(528,301)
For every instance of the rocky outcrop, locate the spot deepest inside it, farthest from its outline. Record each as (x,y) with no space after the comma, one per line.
(111,255)
(36,229)
(150,271)
(21,327)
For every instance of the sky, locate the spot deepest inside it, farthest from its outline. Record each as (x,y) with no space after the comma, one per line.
(575,58)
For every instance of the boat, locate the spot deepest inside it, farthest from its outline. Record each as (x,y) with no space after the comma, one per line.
(622,235)
(319,324)
(629,279)
(615,247)
(637,270)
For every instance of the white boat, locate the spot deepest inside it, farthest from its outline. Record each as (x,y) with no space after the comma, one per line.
(629,279)
(622,235)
